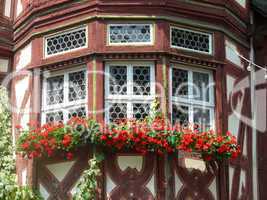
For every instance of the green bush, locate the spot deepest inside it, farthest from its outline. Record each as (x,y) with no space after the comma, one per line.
(9,190)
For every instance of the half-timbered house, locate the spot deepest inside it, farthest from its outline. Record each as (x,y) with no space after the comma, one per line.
(50,46)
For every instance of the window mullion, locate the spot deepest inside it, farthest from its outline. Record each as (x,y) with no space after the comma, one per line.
(172,101)
(129,90)
(66,94)
(152,81)
(44,96)
(107,78)
(212,119)
(129,109)
(190,97)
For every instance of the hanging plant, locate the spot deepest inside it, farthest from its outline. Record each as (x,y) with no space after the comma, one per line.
(87,185)
(52,138)
(156,135)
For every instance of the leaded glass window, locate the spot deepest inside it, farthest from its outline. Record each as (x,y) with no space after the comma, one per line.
(118,80)
(191,40)
(130,34)
(55,90)
(64,96)
(66,41)
(192,97)
(117,111)
(130,89)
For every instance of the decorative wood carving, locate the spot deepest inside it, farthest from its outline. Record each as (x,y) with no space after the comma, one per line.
(130,183)
(195,183)
(60,190)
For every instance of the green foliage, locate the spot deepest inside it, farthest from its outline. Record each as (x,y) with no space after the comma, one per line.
(9,190)
(87,186)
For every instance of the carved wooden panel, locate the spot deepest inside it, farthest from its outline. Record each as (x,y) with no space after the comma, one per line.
(192,180)
(57,178)
(130,176)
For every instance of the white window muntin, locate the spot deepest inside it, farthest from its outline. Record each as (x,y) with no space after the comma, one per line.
(66,105)
(152,33)
(190,102)
(64,110)
(129,98)
(192,50)
(65,32)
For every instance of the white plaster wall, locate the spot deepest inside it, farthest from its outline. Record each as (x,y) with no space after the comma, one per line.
(151,185)
(21,87)
(233,120)
(7,11)
(43,192)
(242,3)
(178,184)
(24,177)
(25,118)
(195,164)
(134,162)
(242,182)
(60,170)
(19,7)
(260,107)
(25,57)
(110,185)
(213,188)
(4,65)
(230,51)
(231,175)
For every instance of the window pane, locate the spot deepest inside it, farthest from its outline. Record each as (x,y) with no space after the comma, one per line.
(179,83)
(78,112)
(117,111)
(77,86)
(118,80)
(54,117)
(202,118)
(190,40)
(201,84)
(129,34)
(180,114)
(66,41)
(140,111)
(54,90)
(141,79)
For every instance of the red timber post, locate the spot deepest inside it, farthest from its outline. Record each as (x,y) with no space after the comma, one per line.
(95,71)
(162,69)
(220,103)
(35,117)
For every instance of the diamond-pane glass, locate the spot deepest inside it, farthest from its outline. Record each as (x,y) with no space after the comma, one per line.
(54,90)
(180,114)
(118,80)
(141,78)
(54,117)
(117,111)
(190,40)
(130,33)
(78,112)
(202,117)
(179,83)
(140,111)
(77,86)
(66,41)
(201,84)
